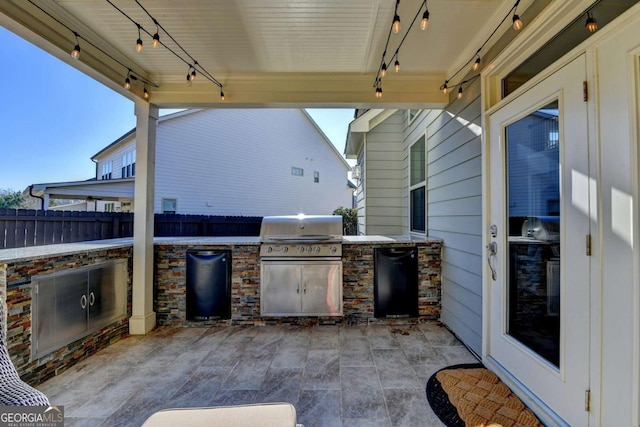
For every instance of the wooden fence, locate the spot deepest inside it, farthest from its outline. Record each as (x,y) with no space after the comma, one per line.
(26,227)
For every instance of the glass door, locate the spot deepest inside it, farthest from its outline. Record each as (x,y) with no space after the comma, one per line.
(538,189)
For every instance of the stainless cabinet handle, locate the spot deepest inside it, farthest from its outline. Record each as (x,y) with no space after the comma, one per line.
(83,301)
(492,249)
(92,299)
(304,291)
(298,289)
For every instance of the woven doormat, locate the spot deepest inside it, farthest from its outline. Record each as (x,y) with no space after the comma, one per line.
(470,395)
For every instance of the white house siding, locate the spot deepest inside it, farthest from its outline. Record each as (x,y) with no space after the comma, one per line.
(238,162)
(454,207)
(385,178)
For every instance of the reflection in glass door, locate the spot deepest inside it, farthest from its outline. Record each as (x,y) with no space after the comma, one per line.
(533,212)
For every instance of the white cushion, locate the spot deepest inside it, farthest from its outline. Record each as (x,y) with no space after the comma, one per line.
(264,415)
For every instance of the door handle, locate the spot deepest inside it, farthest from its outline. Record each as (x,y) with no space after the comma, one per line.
(298,289)
(492,250)
(83,301)
(92,299)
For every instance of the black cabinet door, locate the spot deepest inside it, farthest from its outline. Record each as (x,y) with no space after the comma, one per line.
(395,282)
(208,285)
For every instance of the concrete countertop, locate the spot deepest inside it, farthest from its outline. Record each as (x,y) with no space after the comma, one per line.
(38,252)
(387,239)
(46,251)
(221,240)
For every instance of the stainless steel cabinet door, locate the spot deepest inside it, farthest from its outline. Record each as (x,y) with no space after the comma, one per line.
(322,288)
(70,306)
(279,288)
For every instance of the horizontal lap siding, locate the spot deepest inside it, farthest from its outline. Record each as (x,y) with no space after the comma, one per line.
(386,180)
(238,162)
(454,209)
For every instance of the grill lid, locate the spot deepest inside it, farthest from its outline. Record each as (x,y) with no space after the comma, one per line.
(306,228)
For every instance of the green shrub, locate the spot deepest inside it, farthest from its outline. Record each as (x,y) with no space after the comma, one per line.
(349,220)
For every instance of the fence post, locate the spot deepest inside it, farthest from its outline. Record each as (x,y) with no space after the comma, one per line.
(115,227)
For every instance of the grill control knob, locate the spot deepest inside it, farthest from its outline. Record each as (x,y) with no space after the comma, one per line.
(301,249)
(333,249)
(286,249)
(317,249)
(309,249)
(269,249)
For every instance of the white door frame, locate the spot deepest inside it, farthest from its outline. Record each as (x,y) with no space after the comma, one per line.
(548,23)
(505,353)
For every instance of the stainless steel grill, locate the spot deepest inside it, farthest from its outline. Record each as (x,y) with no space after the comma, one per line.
(301,236)
(301,266)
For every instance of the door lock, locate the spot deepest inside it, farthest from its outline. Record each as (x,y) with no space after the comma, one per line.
(493,231)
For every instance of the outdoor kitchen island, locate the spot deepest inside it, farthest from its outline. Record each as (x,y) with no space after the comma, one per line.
(357,284)
(21,268)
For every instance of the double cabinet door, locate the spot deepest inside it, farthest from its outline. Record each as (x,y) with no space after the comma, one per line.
(301,288)
(70,304)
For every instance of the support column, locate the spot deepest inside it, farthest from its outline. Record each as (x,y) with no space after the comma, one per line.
(143,318)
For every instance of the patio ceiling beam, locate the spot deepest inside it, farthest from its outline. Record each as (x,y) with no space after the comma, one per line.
(305,89)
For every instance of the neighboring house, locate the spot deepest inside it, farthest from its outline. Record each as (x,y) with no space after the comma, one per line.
(249,162)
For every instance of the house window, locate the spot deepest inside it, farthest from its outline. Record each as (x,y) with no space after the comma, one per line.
(107,170)
(417,186)
(125,206)
(413,114)
(109,207)
(297,171)
(316,176)
(169,206)
(129,164)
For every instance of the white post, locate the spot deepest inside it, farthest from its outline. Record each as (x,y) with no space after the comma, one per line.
(143,318)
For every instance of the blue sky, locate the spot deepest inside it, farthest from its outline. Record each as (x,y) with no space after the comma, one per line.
(54,117)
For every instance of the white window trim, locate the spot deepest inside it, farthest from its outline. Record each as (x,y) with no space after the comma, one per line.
(162,201)
(412,119)
(415,186)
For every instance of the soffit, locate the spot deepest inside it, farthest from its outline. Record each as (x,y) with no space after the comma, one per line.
(324,52)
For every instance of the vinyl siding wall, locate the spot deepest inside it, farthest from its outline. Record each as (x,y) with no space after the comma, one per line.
(454,207)
(238,162)
(385,177)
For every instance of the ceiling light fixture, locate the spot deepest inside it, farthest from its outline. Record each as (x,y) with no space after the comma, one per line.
(460,93)
(396,66)
(517,22)
(75,53)
(156,40)
(424,23)
(383,71)
(192,77)
(139,46)
(378,92)
(145,92)
(591,25)
(476,64)
(445,88)
(127,81)
(221,95)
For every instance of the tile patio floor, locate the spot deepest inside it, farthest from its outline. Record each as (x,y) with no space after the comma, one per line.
(334,375)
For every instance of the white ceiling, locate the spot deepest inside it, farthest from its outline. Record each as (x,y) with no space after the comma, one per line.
(322,52)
